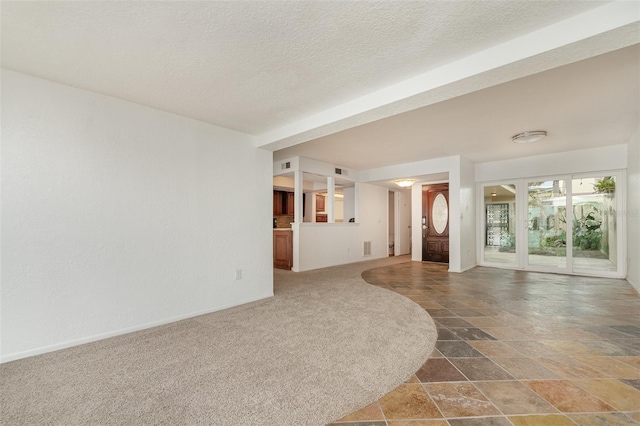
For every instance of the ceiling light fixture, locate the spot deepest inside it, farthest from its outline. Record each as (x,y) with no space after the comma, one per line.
(493,194)
(404,183)
(528,137)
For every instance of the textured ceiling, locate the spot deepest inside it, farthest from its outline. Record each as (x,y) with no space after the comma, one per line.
(594,102)
(375,83)
(255,66)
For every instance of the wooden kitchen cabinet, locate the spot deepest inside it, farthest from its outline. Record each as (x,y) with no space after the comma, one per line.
(291,202)
(282,249)
(320,203)
(283,203)
(278,202)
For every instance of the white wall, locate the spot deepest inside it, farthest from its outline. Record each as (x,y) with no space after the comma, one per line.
(403,236)
(116,217)
(467,214)
(455,228)
(586,160)
(338,209)
(633,211)
(309,165)
(326,244)
(392,220)
(349,203)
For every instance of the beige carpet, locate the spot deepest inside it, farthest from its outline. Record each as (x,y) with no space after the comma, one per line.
(325,345)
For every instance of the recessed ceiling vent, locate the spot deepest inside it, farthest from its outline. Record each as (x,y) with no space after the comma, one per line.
(341,172)
(285,166)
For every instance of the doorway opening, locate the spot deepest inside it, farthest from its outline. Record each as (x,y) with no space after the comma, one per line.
(392,224)
(435,223)
(399,226)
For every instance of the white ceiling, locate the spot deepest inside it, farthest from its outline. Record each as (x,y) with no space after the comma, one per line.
(286,71)
(586,104)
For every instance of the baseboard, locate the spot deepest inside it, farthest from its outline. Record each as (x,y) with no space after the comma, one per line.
(634,284)
(76,342)
(466,268)
(461,270)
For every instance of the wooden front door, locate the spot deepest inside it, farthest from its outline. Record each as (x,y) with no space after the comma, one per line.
(435,223)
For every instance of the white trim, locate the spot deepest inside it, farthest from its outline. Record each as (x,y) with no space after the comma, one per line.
(525,229)
(466,268)
(482,224)
(76,342)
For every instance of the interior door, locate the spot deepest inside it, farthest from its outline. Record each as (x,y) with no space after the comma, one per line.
(435,223)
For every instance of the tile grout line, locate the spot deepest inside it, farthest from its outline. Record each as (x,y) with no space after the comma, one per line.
(384,416)
(459,303)
(595,396)
(434,402)
(514,379)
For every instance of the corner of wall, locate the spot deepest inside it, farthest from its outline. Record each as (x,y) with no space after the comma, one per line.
(633,210)
(468,221)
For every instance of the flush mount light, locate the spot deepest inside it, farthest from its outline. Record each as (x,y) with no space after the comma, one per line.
(528,137)
(493,194)
(404,183)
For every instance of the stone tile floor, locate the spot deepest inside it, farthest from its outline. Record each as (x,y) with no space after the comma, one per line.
(515,348)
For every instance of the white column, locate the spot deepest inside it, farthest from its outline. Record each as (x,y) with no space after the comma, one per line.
(331,199)
(297,196)
(356,201)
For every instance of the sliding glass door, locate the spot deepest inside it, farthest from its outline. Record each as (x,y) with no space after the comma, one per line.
(547,224)
(500,224)
(595,240)
(566,224)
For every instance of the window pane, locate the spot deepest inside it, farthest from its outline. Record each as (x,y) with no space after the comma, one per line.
(594,223)
(547,224)
(500,220)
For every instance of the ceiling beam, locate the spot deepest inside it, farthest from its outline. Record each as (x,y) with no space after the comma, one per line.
(604,29)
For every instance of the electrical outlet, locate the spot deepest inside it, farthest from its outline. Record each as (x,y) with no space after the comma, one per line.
(238,274)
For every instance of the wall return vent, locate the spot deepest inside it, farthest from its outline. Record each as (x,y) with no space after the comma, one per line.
(366,248)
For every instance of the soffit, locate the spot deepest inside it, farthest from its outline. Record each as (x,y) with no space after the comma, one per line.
(594,102)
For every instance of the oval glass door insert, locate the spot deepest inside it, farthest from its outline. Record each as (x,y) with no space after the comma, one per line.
(440,214)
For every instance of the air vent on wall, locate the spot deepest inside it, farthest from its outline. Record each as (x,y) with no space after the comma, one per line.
(285,166)
(341,172)
(366,248)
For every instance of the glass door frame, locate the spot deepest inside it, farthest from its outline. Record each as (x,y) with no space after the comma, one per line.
(621,225)
(482,225)
(524,229)
(521,232)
